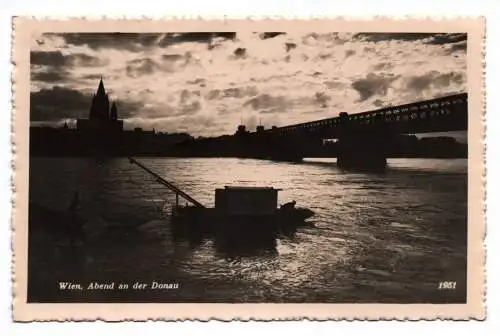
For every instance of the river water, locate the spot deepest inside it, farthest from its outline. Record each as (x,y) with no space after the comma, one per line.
(389,237)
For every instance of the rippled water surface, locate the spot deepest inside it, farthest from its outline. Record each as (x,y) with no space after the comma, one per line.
(374,238)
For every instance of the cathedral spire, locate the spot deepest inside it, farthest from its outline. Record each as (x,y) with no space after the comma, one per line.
(114,112)
(100,104)
(101,91)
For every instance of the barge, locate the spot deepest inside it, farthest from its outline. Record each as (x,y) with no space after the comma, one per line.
(238,210)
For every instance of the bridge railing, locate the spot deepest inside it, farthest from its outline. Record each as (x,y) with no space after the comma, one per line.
(402,116)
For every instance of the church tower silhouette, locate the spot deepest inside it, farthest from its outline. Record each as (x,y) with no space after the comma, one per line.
(100,104)
(102,121)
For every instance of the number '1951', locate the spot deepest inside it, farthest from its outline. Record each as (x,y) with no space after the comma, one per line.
(447,285)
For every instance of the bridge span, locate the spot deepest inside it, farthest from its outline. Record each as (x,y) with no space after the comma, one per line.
(364,139)
(442,114)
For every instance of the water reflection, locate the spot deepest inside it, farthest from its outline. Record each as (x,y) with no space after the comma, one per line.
(375,237)
(236,239)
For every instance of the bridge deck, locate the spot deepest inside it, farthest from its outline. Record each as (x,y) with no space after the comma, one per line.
(436,115)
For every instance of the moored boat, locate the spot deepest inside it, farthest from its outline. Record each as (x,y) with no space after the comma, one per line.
(238,210)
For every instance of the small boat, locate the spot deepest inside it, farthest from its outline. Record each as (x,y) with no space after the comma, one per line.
(237,204)
(237,209)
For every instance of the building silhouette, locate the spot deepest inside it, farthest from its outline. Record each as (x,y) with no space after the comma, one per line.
(103,122)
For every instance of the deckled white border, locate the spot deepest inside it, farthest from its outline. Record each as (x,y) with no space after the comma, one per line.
(429,6)
(23,29)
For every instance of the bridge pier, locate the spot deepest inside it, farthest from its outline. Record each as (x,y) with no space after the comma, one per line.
(288,151)
(362,148)
(361,154)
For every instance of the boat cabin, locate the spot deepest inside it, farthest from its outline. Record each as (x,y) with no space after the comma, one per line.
(245,201)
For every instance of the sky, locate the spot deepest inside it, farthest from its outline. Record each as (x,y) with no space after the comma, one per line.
(207,84)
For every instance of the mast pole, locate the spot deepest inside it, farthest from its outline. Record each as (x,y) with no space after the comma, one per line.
(167,184)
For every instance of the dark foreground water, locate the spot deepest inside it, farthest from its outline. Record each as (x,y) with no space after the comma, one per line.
(375,238)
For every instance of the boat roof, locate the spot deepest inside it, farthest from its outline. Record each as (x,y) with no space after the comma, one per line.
(249,188)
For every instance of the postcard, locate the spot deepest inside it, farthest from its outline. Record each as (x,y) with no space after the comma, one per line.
(248,169)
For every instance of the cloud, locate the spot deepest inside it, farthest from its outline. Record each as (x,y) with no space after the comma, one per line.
(234,92)
(136,42)
(434,79)
(96,41)
(267,103)
(53,58)
(64,103)
(460,47)
(448,38)
(172,57)
(334,84)
(54,67)
(49,75)
(289,46)
(84,60)
(377,37)
(58,103)
(268,35)
(200,81)
(189,80)
(168,63)
(196,37)
(373,85)
(349,53)
(240,52)
(143,66)
(383,66)
(57,59)
(430,38)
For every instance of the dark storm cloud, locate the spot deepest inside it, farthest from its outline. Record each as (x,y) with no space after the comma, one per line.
(138,41)
(267,103)
(57,59)
(322,99)
(53,66)
(289,46)
(196,37)
(49,76)
(169,63)
(141,66)
(373,85)
(240,52)
(127,41)
(172,57)
(434,78)
(60,103)
(54,58)
(448,38)
(378,37)
(457,47)
(268,35)
(85,60)
(431,38)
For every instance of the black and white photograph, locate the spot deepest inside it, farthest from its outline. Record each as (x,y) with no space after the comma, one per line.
(248,167)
